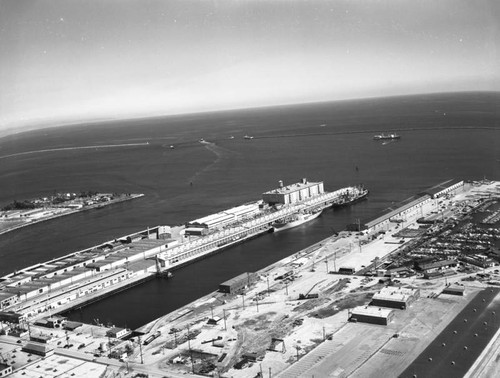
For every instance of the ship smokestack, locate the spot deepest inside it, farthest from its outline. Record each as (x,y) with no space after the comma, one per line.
(304,181)
(280,182)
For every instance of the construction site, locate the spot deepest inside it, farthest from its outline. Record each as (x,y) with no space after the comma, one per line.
(361,303)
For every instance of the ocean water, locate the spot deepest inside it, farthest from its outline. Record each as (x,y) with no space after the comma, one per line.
(443,136)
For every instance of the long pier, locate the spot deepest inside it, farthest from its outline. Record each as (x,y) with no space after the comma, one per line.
(77,278)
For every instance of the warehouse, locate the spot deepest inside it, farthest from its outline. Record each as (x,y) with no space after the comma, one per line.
(293,193)
(445,188)
(454,290)
(411,206)
(237,284)
(371,314)
(395,297)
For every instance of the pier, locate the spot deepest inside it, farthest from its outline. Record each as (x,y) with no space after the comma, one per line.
(85,276)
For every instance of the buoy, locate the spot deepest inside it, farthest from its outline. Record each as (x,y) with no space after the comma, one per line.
(453,362)
(475,310)
(485,323)
(455,332)
(443,344)
(465,320)
(465,347)
(430,358)
(475,335)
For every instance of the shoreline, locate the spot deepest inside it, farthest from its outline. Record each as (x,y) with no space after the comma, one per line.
(70,212)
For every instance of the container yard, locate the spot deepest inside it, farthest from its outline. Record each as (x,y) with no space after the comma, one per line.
(363,303)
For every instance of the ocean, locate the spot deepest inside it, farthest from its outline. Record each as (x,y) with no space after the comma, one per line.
(443,136)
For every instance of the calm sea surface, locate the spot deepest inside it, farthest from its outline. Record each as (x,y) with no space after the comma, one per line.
(443,137)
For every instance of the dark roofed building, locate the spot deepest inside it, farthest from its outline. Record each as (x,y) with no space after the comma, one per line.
(237,284)
(5,369)
(434,266)
(43,350)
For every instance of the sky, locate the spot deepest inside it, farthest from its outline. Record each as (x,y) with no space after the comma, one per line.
(78,60)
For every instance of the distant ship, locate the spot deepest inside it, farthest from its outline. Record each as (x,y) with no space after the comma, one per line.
(248,137)
(295,220)
(386,136)
(351,195)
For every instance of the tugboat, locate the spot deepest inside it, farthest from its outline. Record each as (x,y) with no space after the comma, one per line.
(386,136)
(248,137)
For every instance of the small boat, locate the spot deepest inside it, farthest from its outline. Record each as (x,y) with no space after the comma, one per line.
(231,137)
(172,147)
(295,220)
(386,136)
(248,137)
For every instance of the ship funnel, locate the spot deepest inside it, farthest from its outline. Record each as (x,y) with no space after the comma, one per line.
(280,182)
(304,181)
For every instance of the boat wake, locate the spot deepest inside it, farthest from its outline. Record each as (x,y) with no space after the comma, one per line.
(75,148)
(220,155)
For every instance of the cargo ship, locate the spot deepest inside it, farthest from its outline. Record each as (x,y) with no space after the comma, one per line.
(386,136)
(295,220)
(350,196)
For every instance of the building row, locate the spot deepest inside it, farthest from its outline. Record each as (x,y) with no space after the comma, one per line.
(381,308)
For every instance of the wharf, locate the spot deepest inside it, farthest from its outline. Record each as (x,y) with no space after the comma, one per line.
(270,317)
(77,278)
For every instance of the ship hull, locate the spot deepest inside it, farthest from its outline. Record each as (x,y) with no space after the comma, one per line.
(352,199)
(301,219)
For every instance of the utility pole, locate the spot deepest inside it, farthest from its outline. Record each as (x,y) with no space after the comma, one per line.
(257,303)
(212,311)
(140,349)
(224,311)
(286,288)
(190,350)
(243,297)
(267,278)
(326,262)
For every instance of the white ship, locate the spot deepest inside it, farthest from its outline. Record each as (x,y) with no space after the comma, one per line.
(295,220)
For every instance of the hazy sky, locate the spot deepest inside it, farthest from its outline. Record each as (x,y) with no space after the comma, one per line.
(80,59)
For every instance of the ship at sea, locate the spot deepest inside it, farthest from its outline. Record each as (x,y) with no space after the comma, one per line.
(386,137)
(295,220)
(350,196)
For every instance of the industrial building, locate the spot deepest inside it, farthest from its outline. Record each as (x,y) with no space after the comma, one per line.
(434,266)
(221,219)
(454,290)
(371,314)
(293,193)
(445,188)
(43,350)
(237,284)
(394,297)
(398,215)
(5,369)
(117,333)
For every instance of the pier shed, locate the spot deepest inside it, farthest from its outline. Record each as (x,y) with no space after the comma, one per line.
(411,206)
(371,314)
(445,188)
(238,283)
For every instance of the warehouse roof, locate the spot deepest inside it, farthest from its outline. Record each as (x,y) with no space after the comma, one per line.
(408,205)
(373,311)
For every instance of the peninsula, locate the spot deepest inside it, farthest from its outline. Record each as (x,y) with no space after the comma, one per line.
(24,213)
